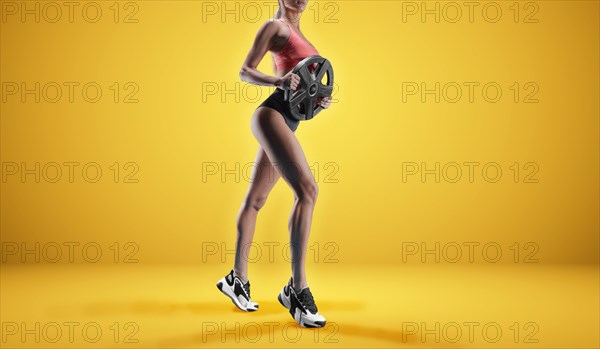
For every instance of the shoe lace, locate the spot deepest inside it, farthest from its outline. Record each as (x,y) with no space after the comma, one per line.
(306,298)
(246,287)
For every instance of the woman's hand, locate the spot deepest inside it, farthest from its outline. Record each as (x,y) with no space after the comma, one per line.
(324,102)
(290,79)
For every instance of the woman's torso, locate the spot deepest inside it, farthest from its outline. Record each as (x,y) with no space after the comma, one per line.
(295,49)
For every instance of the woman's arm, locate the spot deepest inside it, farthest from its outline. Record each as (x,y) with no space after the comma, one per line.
(262,44)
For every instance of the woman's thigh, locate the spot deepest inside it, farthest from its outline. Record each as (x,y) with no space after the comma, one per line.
(282,148)
(263,177)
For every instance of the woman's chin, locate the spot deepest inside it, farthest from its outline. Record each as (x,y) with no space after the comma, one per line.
(300,6)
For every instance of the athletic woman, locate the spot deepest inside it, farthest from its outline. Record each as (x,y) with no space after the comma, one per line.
(279,155)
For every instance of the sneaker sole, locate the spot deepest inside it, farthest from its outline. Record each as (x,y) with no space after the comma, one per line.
(281,301)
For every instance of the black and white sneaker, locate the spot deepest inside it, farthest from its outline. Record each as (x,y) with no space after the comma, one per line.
(239,292)
(301,305)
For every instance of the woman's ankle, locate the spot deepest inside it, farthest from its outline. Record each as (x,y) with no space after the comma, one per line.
(298,286)
(240,275)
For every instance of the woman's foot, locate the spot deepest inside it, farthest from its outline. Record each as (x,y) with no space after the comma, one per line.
(301,305)
(239,292)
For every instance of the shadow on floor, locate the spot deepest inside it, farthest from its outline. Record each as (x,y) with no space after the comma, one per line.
(166,308)
(333,334)
(282,328)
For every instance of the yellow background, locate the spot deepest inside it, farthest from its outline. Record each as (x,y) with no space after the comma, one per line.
(176,47)
(175,207)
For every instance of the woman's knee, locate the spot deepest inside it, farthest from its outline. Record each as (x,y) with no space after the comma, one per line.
(255,201)
(307,191)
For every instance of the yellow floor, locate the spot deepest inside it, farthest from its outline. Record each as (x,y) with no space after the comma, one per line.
(367,306)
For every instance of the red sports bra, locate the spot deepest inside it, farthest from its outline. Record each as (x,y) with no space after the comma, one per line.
(295,50)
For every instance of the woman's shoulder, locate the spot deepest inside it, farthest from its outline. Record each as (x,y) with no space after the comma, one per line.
(277,26)
(277,31)
(274,24)
(274,28)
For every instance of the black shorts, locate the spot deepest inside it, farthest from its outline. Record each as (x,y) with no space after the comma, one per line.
(275,101)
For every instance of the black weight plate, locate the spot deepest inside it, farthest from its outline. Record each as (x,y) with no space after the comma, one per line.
(302,101)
